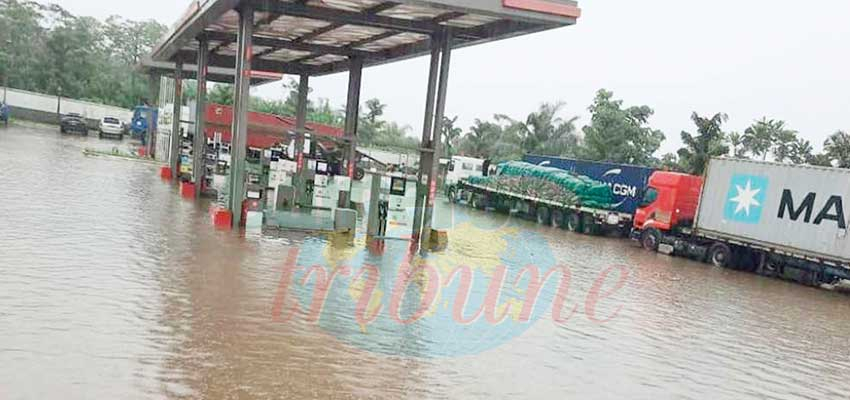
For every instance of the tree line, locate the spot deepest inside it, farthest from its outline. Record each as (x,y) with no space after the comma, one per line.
(46,49)
(621,134)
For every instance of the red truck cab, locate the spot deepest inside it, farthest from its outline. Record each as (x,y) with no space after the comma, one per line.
(670,201)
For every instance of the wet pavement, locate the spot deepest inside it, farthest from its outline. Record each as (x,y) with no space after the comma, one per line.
(112,286)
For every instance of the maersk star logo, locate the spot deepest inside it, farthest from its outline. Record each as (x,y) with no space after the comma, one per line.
(745,200)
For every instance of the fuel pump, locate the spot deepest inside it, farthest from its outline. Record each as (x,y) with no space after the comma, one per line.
(397,212)
(386,203)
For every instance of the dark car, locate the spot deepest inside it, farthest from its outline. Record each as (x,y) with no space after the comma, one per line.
(4,113)
(74,123)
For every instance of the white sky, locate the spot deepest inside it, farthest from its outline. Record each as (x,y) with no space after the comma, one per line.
(777,58)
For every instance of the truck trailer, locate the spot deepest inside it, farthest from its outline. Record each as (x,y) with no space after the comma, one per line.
(587,217)
(773,219)
(627,181)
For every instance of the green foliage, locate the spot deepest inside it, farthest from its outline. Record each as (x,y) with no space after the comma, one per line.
(371,124)
(837,149)
(707,143)
(451,136)
(620,135)
(766,136)
(670,162)
(543,132)
(801,152)
(47,49)
(736,140)
(221,94)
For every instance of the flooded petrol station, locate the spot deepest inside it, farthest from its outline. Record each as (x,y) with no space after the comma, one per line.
(122,277)
(115,286)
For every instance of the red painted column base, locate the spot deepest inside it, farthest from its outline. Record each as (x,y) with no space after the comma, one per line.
(187,190)
(165,173)
(222,218)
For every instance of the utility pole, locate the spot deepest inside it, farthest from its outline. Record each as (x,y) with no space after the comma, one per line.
(59,103)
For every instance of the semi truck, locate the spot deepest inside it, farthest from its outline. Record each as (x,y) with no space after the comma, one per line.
(575,216)
(776,220)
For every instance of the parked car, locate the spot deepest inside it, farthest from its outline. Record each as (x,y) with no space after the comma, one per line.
(4,113)
(74,123)
(111,127)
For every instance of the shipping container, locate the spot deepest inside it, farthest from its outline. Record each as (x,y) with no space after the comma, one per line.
(789,207)
(777,220)
(626,181)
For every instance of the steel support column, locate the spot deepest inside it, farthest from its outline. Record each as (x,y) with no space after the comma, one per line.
(352,116)
(199,144)
(426,155)
(176,137)
(153,103)
(300,130)
(241,97)
(439,114)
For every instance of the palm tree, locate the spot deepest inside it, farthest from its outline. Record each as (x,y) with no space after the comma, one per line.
(708,143)
(758,138)
(544,132)
(802,152)
(451,136)
(837,148)
(481,139)
(737,142)
(784,142)
(766,136)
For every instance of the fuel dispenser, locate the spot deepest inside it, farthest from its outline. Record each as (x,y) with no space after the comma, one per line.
(386,203)
(252,208)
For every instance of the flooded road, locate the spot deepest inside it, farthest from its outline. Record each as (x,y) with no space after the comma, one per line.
(112,286)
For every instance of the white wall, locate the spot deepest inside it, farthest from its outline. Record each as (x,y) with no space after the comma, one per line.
(41,102)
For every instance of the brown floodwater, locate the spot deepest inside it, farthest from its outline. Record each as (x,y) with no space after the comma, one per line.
(112,286)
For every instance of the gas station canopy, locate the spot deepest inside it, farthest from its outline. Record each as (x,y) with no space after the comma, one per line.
(320,37)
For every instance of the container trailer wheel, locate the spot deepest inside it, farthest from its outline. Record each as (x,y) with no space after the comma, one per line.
(557,219)
(574,222)
(650,239)
(479,202)
(720,255)
(769,266)
(543,216)
(588,225)
(453,195)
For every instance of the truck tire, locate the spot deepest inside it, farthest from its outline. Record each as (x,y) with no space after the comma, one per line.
(588,225)
(543,216)
(650,239)
(721,255)
(769,266)
(452,195)
(557,219)
(478,201)
(574,222)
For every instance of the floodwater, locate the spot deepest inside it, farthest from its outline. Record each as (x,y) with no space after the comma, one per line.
(112,286)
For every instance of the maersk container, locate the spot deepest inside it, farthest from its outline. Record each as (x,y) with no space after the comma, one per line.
(790,208)
(626,181)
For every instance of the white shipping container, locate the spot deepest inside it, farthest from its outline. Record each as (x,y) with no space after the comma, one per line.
(792,208)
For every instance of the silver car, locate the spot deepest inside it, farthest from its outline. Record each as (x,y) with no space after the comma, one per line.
(111,127)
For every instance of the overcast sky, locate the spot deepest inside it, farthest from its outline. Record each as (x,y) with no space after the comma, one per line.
(777,58)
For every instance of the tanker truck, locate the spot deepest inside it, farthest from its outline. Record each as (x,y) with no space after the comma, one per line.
(776,220)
